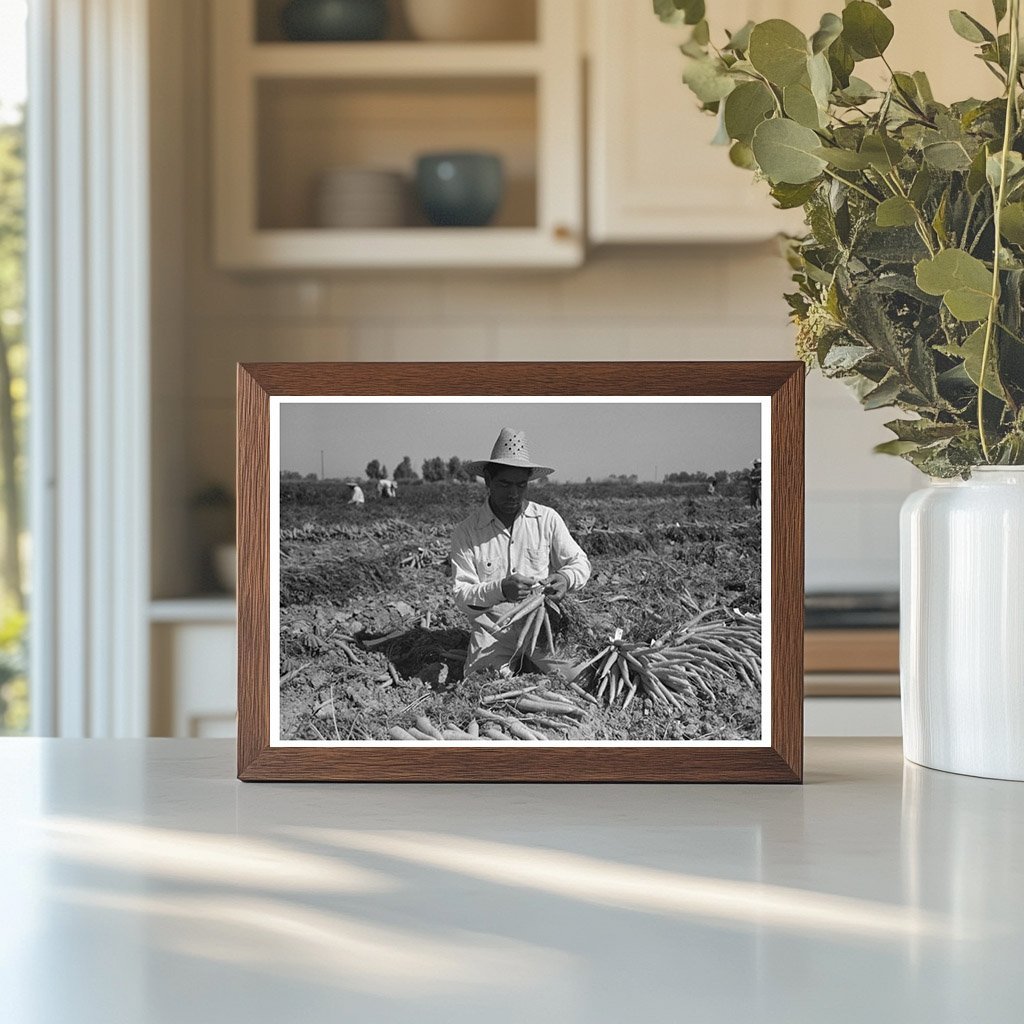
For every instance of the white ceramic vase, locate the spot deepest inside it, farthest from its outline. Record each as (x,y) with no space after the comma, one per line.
(962,624)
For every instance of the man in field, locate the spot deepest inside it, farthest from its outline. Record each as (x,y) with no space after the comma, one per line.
(506,550)
(755,484)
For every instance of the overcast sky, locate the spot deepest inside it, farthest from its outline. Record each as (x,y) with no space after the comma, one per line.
(579,439)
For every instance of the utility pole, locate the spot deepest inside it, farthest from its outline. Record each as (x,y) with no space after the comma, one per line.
(322,474)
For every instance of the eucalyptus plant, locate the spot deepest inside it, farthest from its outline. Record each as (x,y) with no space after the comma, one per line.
(910,277)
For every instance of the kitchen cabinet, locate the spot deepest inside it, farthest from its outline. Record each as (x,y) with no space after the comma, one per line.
(287,113)
(653,175)
(193,673)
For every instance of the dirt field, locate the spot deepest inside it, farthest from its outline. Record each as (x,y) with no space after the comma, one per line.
(371,638)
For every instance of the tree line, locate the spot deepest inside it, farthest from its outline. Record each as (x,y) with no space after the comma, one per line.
(433,470)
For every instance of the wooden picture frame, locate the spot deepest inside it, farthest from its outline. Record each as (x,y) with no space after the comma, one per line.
(776,755)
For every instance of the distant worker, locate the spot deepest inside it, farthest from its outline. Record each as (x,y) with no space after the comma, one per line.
(711,488)
(386,489)
(755,484)
(356,497)
(507,549)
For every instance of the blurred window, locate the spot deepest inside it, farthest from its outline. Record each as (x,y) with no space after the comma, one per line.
(14,546)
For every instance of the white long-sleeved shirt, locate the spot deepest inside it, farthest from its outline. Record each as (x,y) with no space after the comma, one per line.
(485,551)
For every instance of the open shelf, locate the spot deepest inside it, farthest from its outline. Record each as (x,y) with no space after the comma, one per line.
(287,113)
(306,128)
(393,60)
(518,16)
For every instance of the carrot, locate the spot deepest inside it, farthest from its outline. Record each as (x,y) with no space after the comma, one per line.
(494,733)
(419,735)
(492,698)
(540,618)
(549,637)
(517,613)
(457,735)
(576,688)
(425,725)
(473,729)
(519,730)
(398,733)
(554,695)
(548,707)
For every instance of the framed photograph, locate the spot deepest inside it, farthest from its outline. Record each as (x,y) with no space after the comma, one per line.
(513,572)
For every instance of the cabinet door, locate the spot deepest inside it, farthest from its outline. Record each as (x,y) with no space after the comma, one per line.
(653,174)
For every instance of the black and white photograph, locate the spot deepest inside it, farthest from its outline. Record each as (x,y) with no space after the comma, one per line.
(564,570)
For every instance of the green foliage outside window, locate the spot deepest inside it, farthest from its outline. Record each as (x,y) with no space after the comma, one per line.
(13,413)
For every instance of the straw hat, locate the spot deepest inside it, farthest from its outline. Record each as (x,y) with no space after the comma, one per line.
(509,450)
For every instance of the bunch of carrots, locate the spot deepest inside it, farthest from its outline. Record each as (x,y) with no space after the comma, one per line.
(679,668)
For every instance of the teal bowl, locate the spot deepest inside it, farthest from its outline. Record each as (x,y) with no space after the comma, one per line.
(462,190)
(333,21)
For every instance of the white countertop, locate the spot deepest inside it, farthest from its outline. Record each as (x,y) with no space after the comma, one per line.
(142,884)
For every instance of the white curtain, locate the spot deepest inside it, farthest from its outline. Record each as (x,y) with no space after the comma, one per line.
(88,319)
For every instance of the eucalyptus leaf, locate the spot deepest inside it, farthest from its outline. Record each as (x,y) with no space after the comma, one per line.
(708,81)
(895,212)
(963,281)
(921,185)
(785,152)
(788,196)
(1012,223)
(999,7)
(1014,169)
(675,12)
(946,156)
(939,220)
(829,30)
(976,174)
(739,41)
(820,76)
(842,62)
(972,352)
(800,105)
(844,159)
(858,91)
(779,51)
(721,136)
(741,155)
(745,108)
(969,28)
(923,431)
(895,447)
(884,395)
(866,29)
(924,88)
(883,153)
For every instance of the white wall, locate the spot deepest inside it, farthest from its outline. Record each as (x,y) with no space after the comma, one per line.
(721,302)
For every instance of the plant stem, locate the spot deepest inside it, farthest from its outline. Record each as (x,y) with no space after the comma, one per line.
(993,309)
(922,225)
(855,187)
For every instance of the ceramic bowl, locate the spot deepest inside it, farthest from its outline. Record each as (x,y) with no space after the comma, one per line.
(334,20)
(460,189)
(470,20)
(358,197)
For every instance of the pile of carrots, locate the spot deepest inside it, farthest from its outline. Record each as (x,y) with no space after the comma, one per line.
(679,668)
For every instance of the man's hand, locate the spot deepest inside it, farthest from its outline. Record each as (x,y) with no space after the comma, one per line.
(516,587)
(555,586)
